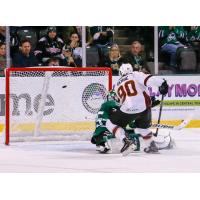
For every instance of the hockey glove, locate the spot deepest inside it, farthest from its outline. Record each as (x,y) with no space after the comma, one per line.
(154,102)
(163,89)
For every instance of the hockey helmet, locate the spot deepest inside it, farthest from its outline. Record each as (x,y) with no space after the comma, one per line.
(125,69)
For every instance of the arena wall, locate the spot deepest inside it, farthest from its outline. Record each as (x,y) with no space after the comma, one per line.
(183,99)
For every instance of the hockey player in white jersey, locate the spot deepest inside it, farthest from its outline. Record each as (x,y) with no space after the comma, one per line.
(132,90)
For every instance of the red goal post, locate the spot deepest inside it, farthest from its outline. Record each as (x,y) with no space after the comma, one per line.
(19,79)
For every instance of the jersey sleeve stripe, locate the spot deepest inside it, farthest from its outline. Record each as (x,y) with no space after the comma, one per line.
(147,100)
(148,136)
(115,130)
(146,79)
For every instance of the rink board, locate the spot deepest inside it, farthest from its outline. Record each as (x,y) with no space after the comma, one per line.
(182,100)
(70,127)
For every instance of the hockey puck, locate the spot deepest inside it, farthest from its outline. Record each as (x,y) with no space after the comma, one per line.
(64,86)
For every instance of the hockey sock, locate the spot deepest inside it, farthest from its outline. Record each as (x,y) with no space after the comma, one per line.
(147,139)
(117,131)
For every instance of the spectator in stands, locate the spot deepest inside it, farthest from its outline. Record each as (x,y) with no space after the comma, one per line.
(193,36)
(2,58)
(137,58)
(113,59)
(49,46)
(68,59)
(101,37)
(14,41)
(53,62)
(72,52)
(25,57)
(2,33)
(194,39)
(144,34)
(171,38)
(66,32)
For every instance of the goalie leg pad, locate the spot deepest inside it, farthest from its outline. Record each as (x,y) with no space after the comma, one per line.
(164,142)
(100,138)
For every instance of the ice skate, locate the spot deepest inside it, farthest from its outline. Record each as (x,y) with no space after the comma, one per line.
(128,147)
(152,148)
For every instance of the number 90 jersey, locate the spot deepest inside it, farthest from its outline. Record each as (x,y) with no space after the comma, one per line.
(133,92)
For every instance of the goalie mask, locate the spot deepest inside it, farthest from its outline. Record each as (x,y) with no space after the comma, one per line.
(112,96)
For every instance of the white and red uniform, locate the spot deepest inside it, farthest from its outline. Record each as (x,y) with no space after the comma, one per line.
(132,90)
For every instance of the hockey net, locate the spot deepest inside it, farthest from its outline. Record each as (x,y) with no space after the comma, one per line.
(53,103)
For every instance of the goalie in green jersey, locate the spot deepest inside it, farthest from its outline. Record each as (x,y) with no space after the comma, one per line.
(101,135)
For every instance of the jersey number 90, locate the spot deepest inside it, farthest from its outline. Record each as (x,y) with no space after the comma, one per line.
(127,89)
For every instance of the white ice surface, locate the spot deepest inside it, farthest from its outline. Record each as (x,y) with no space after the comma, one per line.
(82,157)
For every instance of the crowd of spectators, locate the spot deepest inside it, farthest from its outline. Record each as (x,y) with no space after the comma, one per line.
(175,39)
(61,46)
(41,46)
(135,56)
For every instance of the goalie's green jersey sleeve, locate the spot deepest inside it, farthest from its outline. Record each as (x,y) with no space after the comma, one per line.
(103,114)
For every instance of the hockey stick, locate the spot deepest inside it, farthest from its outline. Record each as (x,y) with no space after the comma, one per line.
(159,117)
(182,125)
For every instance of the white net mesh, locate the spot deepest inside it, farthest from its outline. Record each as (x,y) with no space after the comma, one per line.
(55,105)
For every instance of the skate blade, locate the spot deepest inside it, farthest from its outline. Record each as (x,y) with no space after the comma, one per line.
(129,150)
